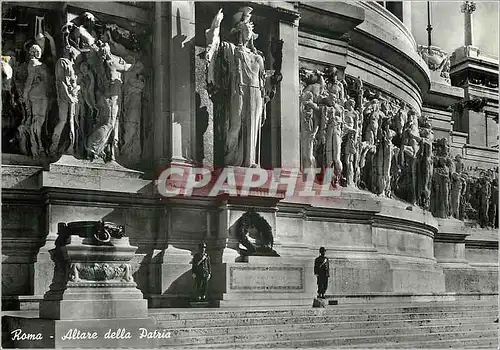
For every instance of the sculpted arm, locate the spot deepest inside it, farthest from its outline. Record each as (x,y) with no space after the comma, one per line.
(213,35)
(51,42)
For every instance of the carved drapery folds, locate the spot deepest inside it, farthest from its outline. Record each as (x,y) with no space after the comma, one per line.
(240,87)
(82,94)
(376,142)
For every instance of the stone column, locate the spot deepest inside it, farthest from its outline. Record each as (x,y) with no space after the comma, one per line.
(182,80)
(175,127)
(467,8)
(162,127)
(285,123)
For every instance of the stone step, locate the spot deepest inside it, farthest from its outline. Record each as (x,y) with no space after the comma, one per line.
(246,321)
(325,339)
(471,343)
(403,324)
(174,314)
(266,302)
(414,333)
(373,298)
(339,329)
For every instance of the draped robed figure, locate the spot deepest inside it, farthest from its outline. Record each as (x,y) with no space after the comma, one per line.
(236,81)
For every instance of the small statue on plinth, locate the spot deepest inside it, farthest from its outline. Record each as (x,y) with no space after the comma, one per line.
(202,271)
(322,272)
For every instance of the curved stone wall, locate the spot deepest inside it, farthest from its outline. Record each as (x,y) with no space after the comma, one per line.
(385,52)
(375,244)
(356,222)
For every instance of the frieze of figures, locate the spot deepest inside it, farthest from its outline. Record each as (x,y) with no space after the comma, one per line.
(375,142)
(479,197)
(76,89)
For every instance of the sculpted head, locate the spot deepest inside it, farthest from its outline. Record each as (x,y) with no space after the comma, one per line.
(375,104)
(242,25)
(88,18)
(306,96)
(105,51)
(35,52)
(351,134)
(350,103)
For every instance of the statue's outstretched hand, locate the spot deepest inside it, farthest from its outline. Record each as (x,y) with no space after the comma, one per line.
(218,19)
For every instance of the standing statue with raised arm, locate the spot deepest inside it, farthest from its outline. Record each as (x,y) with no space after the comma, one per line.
(236,82)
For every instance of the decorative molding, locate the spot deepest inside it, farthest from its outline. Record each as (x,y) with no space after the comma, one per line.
(99,272)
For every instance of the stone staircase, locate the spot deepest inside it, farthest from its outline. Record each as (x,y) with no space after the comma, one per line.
(463,324)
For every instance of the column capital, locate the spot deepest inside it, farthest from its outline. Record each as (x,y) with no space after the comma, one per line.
(468,7)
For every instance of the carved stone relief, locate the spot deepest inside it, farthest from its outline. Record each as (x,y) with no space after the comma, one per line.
(99,272)
(386,147)
(82,94)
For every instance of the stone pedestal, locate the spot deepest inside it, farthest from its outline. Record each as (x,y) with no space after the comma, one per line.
(69,172)
(170,281)
(93,292)
(73,188)
(262,281)
(93,282)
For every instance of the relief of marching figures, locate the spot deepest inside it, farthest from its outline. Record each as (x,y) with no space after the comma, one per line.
(87,103)
(377,143)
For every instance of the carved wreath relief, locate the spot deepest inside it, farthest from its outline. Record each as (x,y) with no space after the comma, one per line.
(255,235)
(77,89)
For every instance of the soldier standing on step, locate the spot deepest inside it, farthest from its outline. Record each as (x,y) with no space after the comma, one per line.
(322,272)
(202,271)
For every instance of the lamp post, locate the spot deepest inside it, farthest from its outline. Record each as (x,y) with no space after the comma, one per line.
(429,26)
(467,8)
